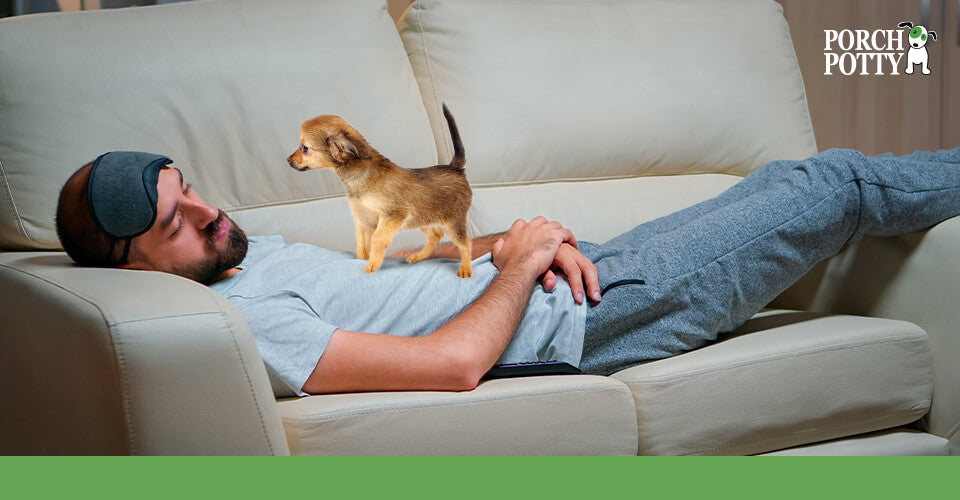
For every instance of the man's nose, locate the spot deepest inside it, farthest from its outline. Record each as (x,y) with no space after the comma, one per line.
(201,213)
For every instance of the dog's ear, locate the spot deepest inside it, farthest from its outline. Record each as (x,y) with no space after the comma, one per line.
(905,24)
(933,34)
(343,147)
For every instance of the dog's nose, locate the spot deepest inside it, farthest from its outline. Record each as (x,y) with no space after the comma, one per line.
(293,164)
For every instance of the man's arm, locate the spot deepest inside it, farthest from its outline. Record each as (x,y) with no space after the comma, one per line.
(481,246)
(455,356)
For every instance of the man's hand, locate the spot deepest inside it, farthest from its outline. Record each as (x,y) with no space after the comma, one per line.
(530,247)
(579,271)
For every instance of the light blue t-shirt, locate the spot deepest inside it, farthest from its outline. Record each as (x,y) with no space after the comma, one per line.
(294,297)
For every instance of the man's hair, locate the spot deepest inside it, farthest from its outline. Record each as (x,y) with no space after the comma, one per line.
(83,240)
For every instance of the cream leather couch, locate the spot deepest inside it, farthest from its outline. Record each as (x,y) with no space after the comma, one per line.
(599,114)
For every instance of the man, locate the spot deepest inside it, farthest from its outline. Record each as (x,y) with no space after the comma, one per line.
(665,287)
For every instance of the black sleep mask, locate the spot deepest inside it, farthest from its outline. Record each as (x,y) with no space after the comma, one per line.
(122,193)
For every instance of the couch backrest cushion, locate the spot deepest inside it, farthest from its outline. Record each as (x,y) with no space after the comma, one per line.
(219,86)
(572,90)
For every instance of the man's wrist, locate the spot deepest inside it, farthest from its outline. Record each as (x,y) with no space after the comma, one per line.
(521,270)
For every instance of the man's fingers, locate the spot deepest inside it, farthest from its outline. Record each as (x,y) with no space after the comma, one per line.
(495,249)
(569,238)
(549,281)
(568,263)
(590,277)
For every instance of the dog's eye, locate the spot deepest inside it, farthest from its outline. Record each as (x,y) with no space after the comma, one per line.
(303,148)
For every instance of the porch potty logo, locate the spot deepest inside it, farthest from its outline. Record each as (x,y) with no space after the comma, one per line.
(878,52)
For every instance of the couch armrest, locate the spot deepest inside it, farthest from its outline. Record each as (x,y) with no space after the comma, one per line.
(108,361)
(913,277)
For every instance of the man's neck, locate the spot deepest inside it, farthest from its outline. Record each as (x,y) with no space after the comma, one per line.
(226,274)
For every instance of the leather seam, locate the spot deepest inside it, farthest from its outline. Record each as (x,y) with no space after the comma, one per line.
(394,408)
(8,195)
(953,431)
(659,380)
(169,316)
(803,88)
(246,374)
(535,182)
(433,82)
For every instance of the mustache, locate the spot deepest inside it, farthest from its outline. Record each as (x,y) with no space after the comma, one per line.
(214,227)
(210,232)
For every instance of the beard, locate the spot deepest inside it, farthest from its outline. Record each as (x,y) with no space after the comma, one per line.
(223,259)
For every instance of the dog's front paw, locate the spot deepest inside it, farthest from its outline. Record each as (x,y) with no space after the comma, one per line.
(465,272)
(413,259)
(371,267)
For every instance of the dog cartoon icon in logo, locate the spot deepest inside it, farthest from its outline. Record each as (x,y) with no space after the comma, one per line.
(918,50)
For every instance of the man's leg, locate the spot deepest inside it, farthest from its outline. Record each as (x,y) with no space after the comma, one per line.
(758,180)
(708,268)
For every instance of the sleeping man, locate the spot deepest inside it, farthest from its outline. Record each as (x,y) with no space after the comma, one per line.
(662,288)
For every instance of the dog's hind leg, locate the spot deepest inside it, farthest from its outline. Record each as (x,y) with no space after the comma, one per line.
(457,231)
(386,228)
(433,234)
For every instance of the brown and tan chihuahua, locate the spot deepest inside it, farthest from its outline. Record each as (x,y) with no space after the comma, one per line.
(385,198)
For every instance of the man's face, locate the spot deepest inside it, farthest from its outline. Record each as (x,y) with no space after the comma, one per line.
(189,237)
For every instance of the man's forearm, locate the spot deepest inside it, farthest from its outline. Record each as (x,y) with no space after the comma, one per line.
(481,245)
(482,331)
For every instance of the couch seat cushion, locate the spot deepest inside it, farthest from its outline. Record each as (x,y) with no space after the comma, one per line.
(797,378)
(552,415)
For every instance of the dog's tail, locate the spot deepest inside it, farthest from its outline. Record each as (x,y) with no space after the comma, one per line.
(459,159)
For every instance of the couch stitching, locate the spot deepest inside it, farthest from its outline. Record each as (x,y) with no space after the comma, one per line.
(168,316)
(8,195)
(803,88)
(433,81)
(114,341)
(953,431)
(246,374)
(394,408)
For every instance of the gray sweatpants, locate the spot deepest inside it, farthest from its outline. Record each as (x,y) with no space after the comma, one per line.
(673,284)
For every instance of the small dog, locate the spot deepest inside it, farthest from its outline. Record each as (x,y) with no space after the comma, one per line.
(385,198)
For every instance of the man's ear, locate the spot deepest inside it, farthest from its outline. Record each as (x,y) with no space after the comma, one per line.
(343,147)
